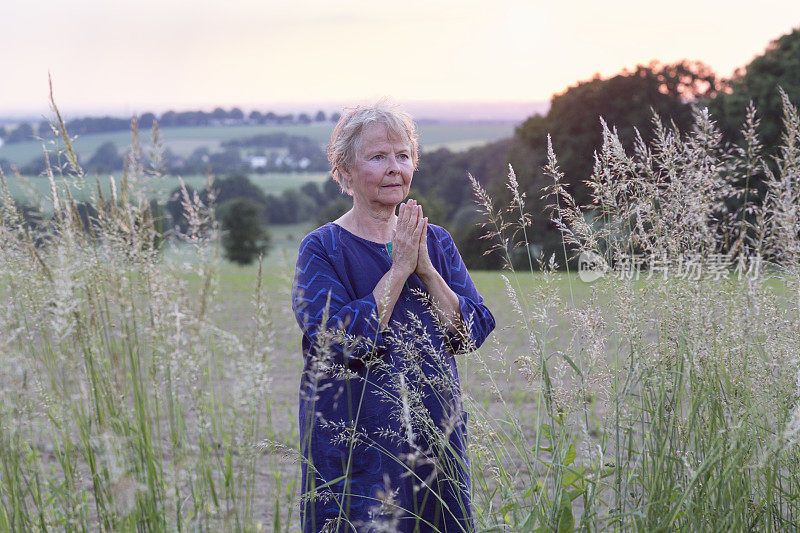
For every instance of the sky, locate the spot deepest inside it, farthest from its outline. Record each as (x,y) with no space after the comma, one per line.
(153,55)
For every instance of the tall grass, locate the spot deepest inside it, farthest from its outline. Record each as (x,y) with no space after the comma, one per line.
(112,415)
(668,402)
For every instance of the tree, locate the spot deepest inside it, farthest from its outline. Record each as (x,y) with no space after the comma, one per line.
(197,162)
(320,116)
(331,189)
(175,209)
(332,211)
(290,207)
(758,82)
(23,132)
(147,120)
(169,119)
(335,116)
(237,186)
(229,160)
(244,235)
(236,114)
(312,191)
(219,114)
(626,102)
(44,131)
(106,158)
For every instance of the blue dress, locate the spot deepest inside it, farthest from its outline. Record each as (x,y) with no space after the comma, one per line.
(382,427)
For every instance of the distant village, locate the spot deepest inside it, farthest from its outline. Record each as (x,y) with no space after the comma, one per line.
(277,152)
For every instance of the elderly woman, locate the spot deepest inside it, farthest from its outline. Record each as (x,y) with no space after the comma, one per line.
(384,303)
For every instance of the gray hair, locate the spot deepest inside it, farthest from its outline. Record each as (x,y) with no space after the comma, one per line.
(346,136)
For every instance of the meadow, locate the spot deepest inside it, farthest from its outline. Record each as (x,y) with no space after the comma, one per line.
(149,389)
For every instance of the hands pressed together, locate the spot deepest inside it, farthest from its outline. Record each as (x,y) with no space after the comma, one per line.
(410,256)
(410,242)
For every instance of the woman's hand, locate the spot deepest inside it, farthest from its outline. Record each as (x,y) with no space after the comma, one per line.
(424,267)
(405,242)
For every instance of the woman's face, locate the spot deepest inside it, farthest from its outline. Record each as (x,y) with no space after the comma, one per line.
(382,171)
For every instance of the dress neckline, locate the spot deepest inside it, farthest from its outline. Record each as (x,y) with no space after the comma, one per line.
(353,235)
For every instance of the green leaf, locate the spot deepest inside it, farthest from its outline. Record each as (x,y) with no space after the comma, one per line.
(571,363)
(566,522)
(573,494)
(569,458)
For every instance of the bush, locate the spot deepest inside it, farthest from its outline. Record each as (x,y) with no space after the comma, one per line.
(245,236)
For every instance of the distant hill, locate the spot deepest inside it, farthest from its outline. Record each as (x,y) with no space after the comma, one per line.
(438,111)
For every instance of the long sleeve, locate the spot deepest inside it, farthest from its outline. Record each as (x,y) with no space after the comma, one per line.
(318,292)
(474,313)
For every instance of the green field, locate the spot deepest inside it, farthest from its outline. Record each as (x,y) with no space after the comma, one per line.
(27,189)
(183,141)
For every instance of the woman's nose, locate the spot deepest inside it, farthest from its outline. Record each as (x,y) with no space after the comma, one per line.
(393,166)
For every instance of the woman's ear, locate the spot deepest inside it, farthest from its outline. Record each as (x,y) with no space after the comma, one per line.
(347,180)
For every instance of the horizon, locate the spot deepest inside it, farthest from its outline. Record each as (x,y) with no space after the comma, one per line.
(422,110)
(426,110)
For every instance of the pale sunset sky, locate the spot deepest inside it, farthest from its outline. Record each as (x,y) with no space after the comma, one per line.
(158,54)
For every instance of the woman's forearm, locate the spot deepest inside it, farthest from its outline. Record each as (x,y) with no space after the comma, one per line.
(387,291)
(445,300)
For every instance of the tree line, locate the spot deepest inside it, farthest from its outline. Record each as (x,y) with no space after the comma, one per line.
(27,131)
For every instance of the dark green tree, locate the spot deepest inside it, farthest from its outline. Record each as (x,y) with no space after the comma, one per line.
(146,121)
(332,211)
(23,132)
(105,159)
(174,207)
(229,160)
(312,191)
(626,102)
(219,114)
(44,130)
(236,186)
(758,82)
(244,233)
(236,114)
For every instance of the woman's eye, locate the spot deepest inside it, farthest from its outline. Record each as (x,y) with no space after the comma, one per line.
(377,157)
(402,156)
